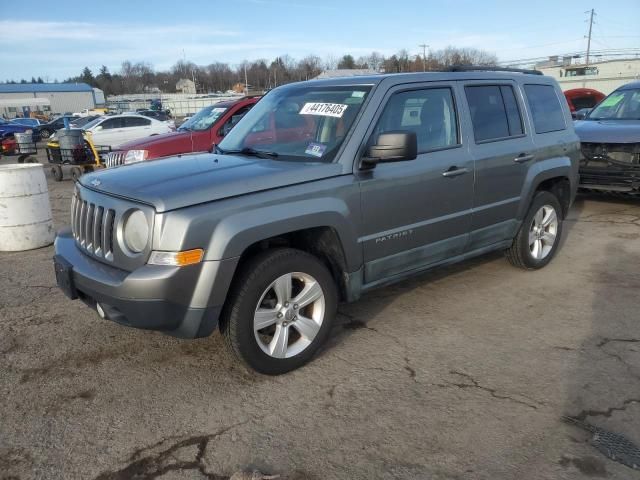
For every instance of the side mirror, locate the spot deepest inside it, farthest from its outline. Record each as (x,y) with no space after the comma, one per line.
(581,114)
(392,147)
(212,148)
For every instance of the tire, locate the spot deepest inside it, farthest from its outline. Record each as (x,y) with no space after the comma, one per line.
(254,288)
(536,244)
(44,134)
(76,173)
(56,171)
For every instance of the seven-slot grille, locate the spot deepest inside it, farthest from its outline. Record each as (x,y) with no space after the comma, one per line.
(93,227)
(114,159)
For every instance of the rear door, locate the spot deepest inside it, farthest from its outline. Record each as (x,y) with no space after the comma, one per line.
(418,212)
(503,151)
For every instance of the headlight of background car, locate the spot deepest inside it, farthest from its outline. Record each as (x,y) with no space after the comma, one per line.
(136,232)
(134,156)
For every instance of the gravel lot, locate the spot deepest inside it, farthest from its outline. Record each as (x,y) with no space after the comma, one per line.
(463,373)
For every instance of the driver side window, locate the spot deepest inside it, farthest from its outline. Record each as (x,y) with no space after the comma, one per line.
(430,113)
(235,118)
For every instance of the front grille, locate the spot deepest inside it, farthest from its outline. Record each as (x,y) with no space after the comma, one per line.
(93,227)
(115,159)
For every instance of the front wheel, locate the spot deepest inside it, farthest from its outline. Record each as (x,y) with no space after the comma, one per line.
(44,134)
(280,310)
(537,241)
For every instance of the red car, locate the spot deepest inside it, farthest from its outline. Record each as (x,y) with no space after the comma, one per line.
(579,98)
(198,134)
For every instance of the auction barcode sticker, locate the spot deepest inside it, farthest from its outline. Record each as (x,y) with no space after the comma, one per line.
(324,109)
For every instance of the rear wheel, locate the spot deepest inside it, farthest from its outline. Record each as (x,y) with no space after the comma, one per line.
(537,241)
(280,310)
(44,133)
(56,171)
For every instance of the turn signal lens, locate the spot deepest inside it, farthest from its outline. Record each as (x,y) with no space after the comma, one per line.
(177,259)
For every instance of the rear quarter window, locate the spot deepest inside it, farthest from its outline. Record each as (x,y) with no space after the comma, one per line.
(545,108)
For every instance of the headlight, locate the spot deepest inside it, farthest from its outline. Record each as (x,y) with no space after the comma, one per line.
(134,156)
(136,232)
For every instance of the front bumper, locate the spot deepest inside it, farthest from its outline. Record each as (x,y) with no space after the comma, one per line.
(612,178)
(181,301)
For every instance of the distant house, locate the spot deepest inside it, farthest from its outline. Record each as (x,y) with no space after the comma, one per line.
(346,72)
(185,85)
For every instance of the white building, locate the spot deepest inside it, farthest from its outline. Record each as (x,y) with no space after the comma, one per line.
(185,85)
(61,97)
(604,76)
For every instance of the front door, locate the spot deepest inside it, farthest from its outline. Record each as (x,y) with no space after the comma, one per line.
(417,212)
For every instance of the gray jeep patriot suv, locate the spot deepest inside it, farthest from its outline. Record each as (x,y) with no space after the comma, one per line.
(324,190)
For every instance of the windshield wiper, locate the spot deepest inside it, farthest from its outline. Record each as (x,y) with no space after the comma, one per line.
(251,152)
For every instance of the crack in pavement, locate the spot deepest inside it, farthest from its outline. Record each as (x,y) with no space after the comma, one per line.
(155,465)
(492,391)
(584,414)
(618,357)
(605,341)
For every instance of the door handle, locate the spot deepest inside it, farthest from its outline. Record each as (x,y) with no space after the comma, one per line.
(523,158)
(454,172)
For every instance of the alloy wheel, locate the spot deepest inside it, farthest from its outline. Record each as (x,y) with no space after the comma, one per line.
(543,232)
(289,315)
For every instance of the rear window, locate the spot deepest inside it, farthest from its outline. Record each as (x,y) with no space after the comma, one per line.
(545,108)
(494,112)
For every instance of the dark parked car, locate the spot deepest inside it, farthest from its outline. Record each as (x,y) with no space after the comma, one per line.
(610,143)
(324,190)
(48,129)
(158,115)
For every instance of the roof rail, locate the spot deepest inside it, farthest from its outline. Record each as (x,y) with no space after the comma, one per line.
(476,68)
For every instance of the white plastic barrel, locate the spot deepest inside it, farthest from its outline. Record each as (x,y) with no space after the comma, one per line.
(25,211)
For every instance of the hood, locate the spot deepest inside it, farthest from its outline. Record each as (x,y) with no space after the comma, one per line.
(165,144)
(608,131)
(179,182)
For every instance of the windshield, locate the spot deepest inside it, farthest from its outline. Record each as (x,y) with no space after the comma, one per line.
(203,119)
(92,123)
(620,105)
(301,123)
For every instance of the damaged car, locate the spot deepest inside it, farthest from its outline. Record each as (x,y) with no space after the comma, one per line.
(610,143)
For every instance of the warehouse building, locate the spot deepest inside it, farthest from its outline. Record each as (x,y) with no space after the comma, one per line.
(604,76)
(48,98)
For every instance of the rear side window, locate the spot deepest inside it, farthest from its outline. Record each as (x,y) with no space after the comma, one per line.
(136,122)
(494,112)
(545,108)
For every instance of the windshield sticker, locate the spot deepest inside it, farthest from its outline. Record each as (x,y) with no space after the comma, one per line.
(358,94)
(218,110)
(612,100)
(315,149)
(324,109)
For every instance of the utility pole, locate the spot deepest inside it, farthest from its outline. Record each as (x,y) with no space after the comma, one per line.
(246,88)
(424,56)
(589,36)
